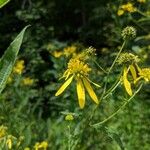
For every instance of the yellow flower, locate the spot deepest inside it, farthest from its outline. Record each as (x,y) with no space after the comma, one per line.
(145,74)
(43,145)
(19,67)
(57,54)
(78,70)
(141,1)
(3,131)
(128,7)
(120,12)
(27,81)
(70,50)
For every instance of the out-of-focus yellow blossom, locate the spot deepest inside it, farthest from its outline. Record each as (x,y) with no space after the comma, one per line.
(19,67)
(43,145)
(70,50)
(69,117)
(126,8)
(27,81)
(141,1)
(3,131)
(9,143)
(57,54)
(78,70)
(120,12)
(26,148)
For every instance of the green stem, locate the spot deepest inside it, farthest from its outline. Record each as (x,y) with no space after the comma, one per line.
(99,66)
(69,138)
(116,112)
(116,57)
(112,89)
(105,86)
(141,13)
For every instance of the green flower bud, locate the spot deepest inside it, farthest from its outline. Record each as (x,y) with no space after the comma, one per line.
(128,33)
(127,58)
(69,117)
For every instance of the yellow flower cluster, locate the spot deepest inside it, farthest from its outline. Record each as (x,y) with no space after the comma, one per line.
(126,8)
(67,51)
(19,67)
(27,81)
(41,146)
(79,70)
(136,73)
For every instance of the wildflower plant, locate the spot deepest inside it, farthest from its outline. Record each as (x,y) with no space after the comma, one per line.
(79,70)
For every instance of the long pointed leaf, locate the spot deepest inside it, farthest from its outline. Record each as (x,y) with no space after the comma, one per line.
(8,59)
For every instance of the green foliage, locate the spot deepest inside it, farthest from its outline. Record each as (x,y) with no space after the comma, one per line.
(29,108)
(3,2)
(8,59)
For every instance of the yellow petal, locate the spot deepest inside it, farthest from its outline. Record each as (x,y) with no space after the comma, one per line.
(64,86)
(126,83)
(90,90)
(133,72)
(80,93)
(97,85)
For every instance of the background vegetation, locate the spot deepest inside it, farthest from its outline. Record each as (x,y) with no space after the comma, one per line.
(28,106)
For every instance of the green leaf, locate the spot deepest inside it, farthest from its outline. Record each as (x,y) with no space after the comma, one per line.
(3,2)
(8,59)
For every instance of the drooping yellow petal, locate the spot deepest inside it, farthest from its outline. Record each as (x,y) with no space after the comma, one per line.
(90,90)
(80,93)
(133,72)
(64,86)
(97,85)
(126,83)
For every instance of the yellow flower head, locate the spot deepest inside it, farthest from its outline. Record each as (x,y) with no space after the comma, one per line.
(145,73)
(79,70)
(3,131)
(70,50)
(77,67)
(43,145)
(128,7)
(57,54)
(19,67)
(120,12)
(27,81)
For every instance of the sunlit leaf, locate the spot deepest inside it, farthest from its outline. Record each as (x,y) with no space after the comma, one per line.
(3,2)
(8,59)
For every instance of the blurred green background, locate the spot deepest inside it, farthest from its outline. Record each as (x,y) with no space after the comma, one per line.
(29,108)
